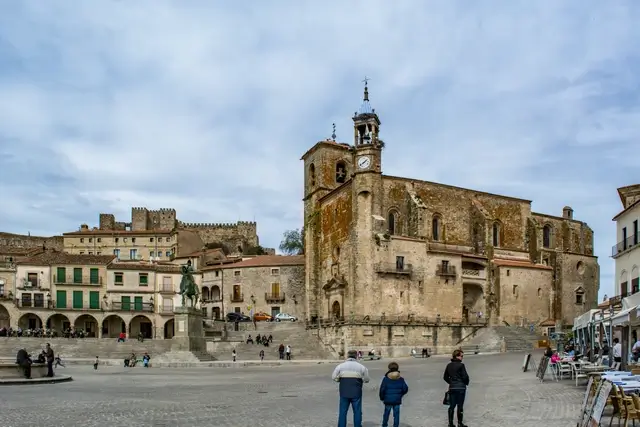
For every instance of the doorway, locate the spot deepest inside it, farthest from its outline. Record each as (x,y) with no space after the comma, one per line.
(336,313)
(275,311)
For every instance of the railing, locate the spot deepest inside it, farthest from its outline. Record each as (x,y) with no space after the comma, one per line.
(397,320)
(279,297)
(393,268)
(237,298)
(24,284)
(622,246)
(212,299)
(165,310)
(7,264)
(146,307)
(167,289)
(45,304)
(470,272)
(70,280)
(446,270)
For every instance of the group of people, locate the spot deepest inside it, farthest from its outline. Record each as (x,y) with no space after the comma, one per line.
(24,360)
(261,340)
(132,360)
(351,375)
(43,333)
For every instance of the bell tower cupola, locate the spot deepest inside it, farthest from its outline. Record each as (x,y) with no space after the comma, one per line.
(366,122)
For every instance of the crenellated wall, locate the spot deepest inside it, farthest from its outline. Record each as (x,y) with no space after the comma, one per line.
(8,240)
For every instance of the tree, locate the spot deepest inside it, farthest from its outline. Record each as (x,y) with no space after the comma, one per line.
(255,250)
(292,242)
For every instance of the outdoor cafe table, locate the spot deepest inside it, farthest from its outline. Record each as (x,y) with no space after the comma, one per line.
(628,385)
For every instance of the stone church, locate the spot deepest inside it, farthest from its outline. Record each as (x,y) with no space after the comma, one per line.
(386,250)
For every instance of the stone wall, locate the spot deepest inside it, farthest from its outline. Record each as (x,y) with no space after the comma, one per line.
(525,294)
(238,237)
(394,341)
(9,240)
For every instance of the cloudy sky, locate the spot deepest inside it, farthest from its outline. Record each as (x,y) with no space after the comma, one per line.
(207,108)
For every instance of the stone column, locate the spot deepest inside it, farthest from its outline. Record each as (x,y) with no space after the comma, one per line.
(189,334)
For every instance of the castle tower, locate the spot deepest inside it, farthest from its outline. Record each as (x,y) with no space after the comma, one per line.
(367,202)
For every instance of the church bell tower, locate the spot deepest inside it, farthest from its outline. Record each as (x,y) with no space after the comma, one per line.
(366,137)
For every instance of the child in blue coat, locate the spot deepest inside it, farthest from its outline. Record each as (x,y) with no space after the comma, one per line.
(392,389)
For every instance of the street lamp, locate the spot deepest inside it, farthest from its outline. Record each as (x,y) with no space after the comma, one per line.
(48,299)
(611,334)
(253,300)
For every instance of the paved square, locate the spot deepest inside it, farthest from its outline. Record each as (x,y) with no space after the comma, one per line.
(302,396)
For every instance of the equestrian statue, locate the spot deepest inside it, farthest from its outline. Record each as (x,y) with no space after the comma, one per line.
(188,287)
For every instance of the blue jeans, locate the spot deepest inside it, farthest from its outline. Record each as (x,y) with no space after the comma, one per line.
(356,404)
(387,412)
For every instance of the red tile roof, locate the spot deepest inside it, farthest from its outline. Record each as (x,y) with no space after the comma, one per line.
(267,261)
(53,257)
(116,233)
(519,264)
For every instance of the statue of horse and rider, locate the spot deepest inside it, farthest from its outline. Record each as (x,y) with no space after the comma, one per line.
(188,287)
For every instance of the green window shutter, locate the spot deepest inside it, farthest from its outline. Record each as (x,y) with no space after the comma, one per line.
(126,303)
(77,299)
(61,299)
(94,300)
(144,279)
(77,275)
(138,303)
(94,277)
(61,275)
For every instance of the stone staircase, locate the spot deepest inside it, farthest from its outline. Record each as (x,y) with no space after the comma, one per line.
(304,343)
(85,348)
(495,339)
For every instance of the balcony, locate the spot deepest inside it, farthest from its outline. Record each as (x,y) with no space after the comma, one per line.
(473,273)
(628,243)
(446,270)
(274,298)
(166,289)
(7,264)
(237,297)
(33,303)
(393,268)
(145,307)
(26,285)
(70,281)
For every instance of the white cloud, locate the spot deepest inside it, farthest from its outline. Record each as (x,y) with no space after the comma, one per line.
(207,108)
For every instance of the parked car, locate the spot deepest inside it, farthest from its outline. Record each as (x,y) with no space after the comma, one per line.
(262,317)
(284,317)
(237,317)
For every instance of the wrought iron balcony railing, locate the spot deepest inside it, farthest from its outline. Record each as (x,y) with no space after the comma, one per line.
(446,270)
(279,297)
(628,243)
(237,297)
(146,307)
(393,268)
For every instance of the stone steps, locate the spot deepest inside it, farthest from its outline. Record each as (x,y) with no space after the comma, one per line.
(511,338)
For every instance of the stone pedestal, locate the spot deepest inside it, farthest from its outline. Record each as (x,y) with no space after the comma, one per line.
(188,331)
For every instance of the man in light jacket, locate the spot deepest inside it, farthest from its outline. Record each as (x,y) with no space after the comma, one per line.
(351,375)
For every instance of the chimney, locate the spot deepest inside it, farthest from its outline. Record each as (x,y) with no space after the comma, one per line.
(567,212)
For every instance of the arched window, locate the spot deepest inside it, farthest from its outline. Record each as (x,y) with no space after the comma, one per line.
(436,224)
(312,175)
(546,236)
(391,219)
(539,292)
(341,172)
(495,234)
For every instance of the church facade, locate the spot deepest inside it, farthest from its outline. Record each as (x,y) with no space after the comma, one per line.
(385,250)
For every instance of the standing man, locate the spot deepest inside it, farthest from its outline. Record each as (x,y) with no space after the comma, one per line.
(351,375)
(24,361)
(617,354)
(50,359)
(455,374)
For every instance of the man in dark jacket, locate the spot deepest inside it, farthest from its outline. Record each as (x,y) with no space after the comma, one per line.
(24,361)
(456,376)
(351,375)
(392,389)
(50,357)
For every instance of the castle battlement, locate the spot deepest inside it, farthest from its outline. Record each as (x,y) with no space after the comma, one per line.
(201,225)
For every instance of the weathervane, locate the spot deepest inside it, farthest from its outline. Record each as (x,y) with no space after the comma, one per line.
(333,135)
(366,80)
(366,88)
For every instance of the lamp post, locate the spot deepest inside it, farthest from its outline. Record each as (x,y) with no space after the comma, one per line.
(48,299)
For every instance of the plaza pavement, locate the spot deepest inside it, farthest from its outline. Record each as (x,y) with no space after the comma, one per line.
(500,395)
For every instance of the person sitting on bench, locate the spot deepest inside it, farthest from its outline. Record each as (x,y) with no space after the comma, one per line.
(425,352)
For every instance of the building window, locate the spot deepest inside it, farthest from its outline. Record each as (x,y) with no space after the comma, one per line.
(168,239)
(143,279)
(151,254)
(217,273)
(624,239)
(133,254)
(539,292)
(515,290)
(236,273)
(99,239)
(151,239)
(400,263)
(116,253)
(159,254)
(90,240)
(341,172)
(624,289)
(435,227)
(81,252)
(392,223)
(495,234)
(117,239)
(168,254)
(546,236)
(98,253)
(312,175)
(118,278)
(90,252)
(133,240)
(635,232)
(579,298)
(635,285)
(274,271)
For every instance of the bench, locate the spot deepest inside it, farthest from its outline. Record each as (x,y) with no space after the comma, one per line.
(418,354)
(12,370)
(473,349)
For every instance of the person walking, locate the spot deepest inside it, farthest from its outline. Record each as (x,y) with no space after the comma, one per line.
(233,354)
(392,389)
(455,374)
(287,351)
(351,375)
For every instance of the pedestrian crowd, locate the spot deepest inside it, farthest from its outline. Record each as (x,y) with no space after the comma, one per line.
(351,375)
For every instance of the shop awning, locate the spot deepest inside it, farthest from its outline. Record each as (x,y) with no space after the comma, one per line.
(584,319)
(624,317)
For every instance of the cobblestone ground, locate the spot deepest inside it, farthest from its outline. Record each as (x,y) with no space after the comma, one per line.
(500,395)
